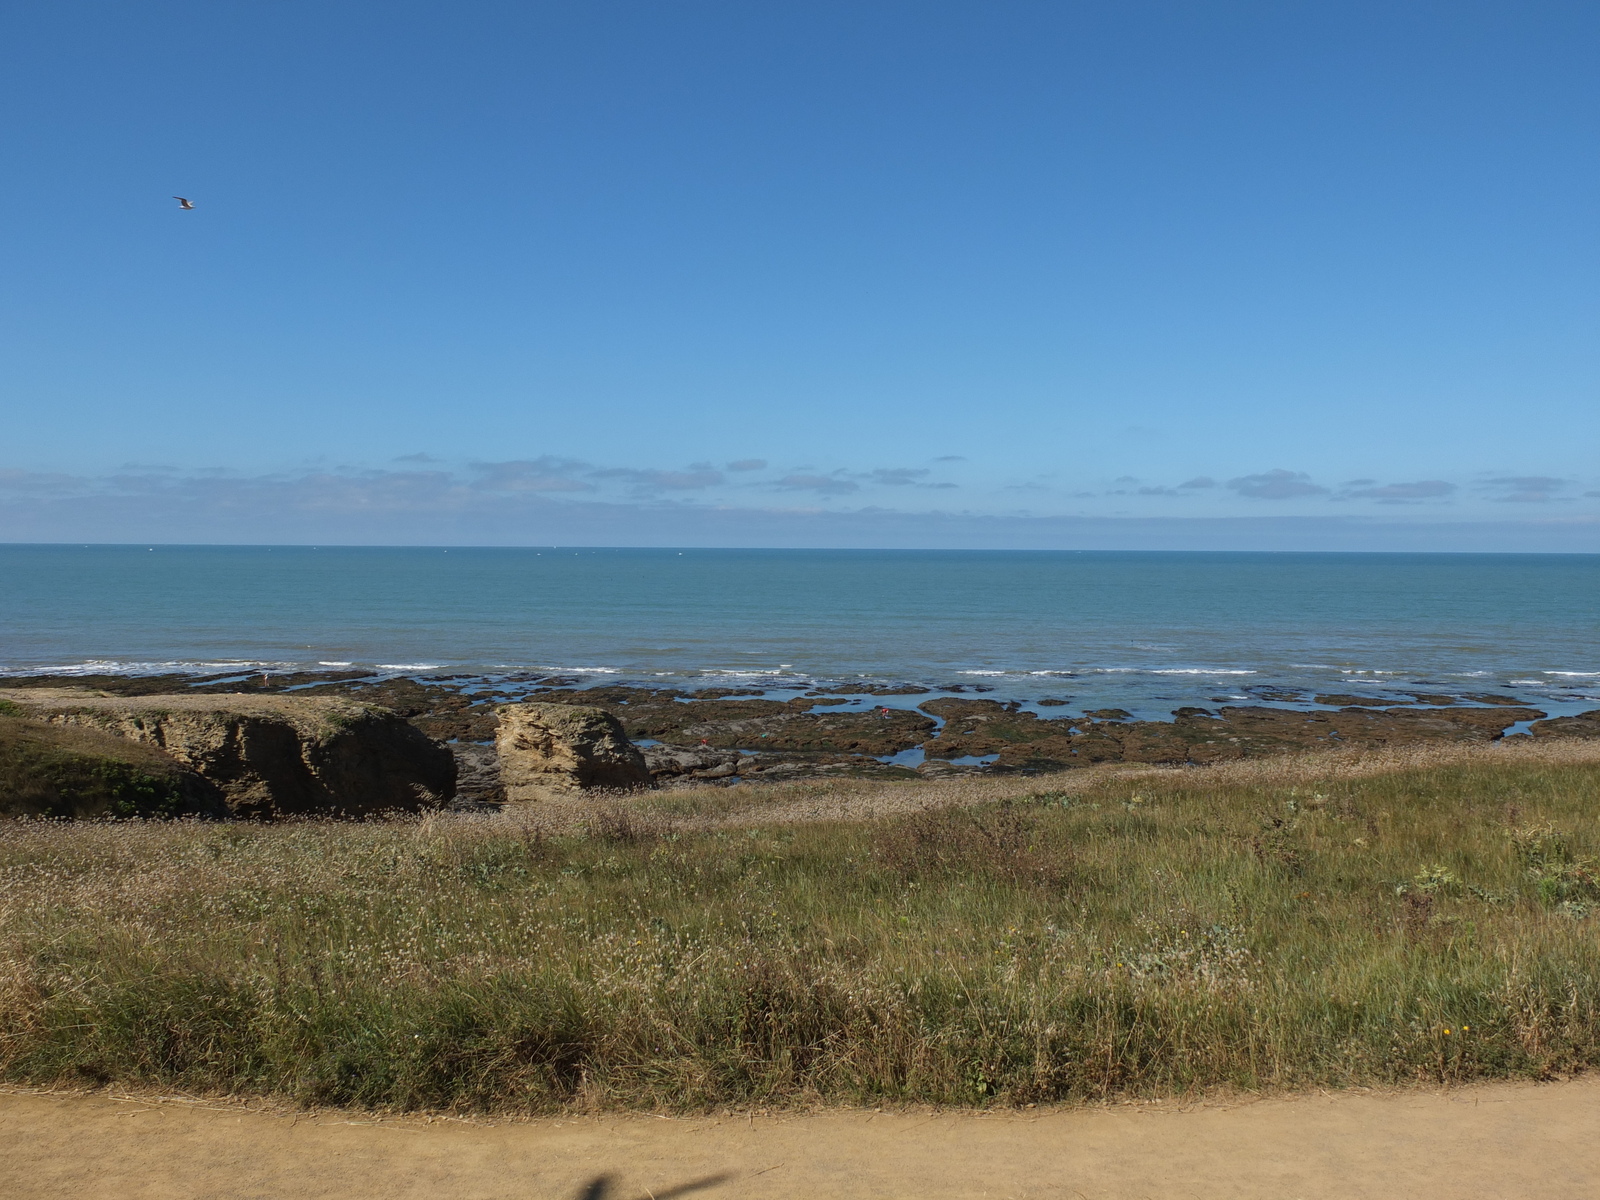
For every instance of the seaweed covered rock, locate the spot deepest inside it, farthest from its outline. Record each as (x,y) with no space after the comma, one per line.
(558,749)
(271,755)
(1024,741)
(805,724)
(68,771)
(1584,725)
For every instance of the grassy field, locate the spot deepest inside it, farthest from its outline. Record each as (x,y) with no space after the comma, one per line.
(1423,918)
(69,771)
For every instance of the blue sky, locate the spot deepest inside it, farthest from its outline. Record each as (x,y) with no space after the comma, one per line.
(1273,274)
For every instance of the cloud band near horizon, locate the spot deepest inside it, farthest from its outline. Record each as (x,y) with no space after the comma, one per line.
(561,501)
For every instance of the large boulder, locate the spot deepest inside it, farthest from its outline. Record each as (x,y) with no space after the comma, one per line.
(69,771)
(549,750)
(271,755)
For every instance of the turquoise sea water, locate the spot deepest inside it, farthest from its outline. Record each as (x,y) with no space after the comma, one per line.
(1140,630)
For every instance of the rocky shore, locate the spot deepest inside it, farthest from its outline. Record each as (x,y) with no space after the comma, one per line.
(351,743)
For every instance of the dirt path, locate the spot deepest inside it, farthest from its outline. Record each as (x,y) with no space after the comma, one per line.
(1501,1142)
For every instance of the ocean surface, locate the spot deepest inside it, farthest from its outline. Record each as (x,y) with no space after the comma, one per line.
(1144,631)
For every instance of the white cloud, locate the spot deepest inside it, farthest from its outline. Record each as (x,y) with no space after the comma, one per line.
(1524,489)
(699,477)
(1276,485)
(1400,493)
(40,482)
(826,484)
(545,474)
(898,476)
(555,499)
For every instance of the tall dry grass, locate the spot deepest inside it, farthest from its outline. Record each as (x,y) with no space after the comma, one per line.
(1332,922)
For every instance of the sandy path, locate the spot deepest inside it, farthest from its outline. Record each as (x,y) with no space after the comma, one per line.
(1507,1141)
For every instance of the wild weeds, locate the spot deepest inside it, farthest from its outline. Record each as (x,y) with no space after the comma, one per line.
(617,823)
(1155,934)
(1004,841)
(1561,878)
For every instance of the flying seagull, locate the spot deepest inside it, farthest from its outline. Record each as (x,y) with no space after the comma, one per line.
(182,203)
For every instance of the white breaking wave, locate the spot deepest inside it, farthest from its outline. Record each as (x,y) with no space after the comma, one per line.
(119,667)
(1170,671)
(549,670)
(1199,671)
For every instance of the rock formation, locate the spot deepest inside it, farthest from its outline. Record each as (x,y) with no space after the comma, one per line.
(1584,725)
(719,734)
(693,762)
(271,755)
(549,750)
(477,776)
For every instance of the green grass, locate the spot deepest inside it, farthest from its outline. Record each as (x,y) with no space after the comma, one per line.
(68,771)
(1155,935)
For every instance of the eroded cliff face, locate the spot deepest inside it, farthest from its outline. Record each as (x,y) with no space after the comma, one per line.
(560,749)
(272,755)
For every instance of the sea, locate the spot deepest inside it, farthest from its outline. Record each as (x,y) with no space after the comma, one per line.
(1147,632)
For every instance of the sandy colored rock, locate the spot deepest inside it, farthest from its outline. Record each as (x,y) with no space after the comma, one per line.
(271,755)
(552,750)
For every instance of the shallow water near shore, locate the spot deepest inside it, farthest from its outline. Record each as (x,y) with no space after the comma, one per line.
(1142,631)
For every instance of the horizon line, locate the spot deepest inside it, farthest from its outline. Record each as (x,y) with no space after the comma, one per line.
(685,548)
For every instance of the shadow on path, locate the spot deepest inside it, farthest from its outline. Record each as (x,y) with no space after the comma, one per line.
(600,1187)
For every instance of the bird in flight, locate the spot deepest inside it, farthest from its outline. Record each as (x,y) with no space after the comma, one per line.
(182,203)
